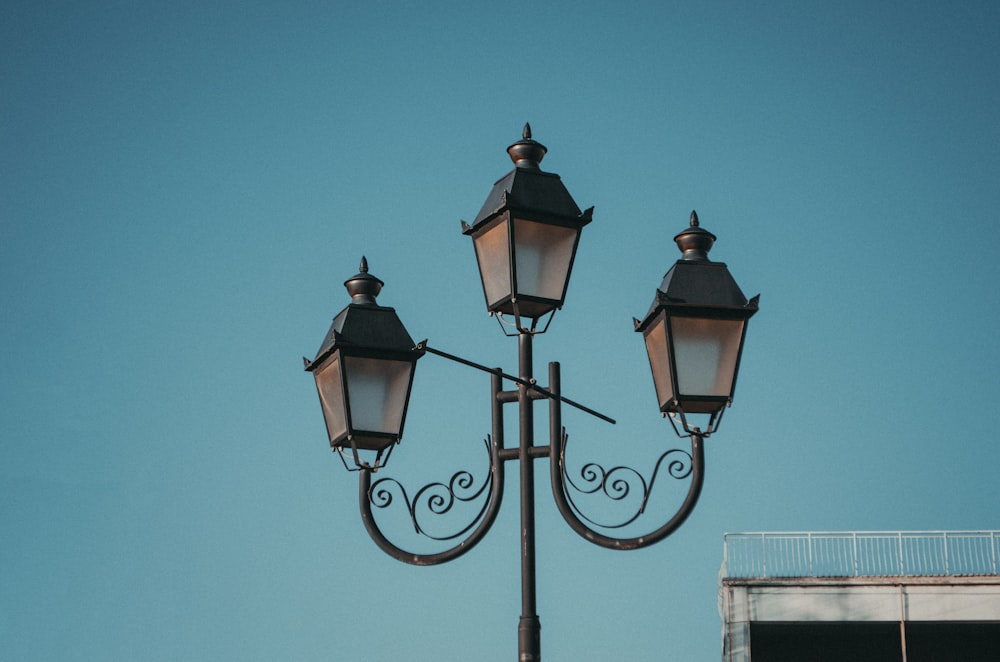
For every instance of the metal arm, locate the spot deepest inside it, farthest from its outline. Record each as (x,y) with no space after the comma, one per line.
(529,628)
(557,451)
(378,493)
(369,494)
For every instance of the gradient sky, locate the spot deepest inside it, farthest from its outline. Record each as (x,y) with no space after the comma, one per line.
(184,186)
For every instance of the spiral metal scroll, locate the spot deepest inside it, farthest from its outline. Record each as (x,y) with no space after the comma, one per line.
(617,483)
(435,498)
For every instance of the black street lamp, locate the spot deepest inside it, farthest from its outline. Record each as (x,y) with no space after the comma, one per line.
(694,332)
(525,239)
(526,236)
(364,373)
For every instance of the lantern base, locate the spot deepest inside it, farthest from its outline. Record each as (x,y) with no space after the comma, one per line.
(709,414)
(702,405)
(367,441)
(365,452)
(528,307)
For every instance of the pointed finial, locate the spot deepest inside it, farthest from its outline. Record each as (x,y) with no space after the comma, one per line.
(527,153)
(695,241)
(363,287)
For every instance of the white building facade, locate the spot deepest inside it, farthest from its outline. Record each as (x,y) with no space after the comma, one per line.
(923,596)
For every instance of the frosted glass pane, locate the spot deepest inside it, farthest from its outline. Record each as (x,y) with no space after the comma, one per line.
(705,351)
(331,395)
(376,389)
(659,360)
(493,255)
(543,254)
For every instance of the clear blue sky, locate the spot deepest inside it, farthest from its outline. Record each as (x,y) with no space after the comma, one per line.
(185,186)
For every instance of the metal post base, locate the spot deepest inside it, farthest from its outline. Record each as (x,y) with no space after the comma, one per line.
(529,646)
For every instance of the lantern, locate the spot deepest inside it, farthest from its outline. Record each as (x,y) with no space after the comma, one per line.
(694,331)
(525,237)
(364,373)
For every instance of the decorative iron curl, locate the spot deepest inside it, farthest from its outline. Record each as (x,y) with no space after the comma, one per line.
(618,482)
(436,498)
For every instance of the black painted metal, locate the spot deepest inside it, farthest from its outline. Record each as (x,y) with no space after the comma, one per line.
(364,329)
(697,287)
(435,498)
(529,627)
(486,517)
(527,193)
(438,498)
(536,392)
(557,470)
(527,188)
(617,483)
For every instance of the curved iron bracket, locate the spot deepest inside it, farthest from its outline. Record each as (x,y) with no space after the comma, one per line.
(440,498)
(598,478)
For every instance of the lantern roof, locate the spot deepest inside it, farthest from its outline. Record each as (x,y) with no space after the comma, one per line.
(696,282)
(364,324)
(701,285)
(529,189)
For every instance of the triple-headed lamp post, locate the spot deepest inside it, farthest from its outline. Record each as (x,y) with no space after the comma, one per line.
(525,238)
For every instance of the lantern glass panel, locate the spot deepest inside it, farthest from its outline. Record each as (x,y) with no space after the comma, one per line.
(377,392)
(493,255)
(543,254)
(705,352)
(330,385)
(659,360)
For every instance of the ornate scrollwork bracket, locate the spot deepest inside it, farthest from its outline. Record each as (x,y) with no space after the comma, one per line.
(616,483)
(439,498)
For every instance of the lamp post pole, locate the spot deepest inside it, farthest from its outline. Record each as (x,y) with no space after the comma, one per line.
(529,628)
(525,239)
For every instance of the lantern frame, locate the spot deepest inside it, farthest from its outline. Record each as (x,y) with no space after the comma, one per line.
(694,333)
(525,237)
(364,374)
(696,299)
